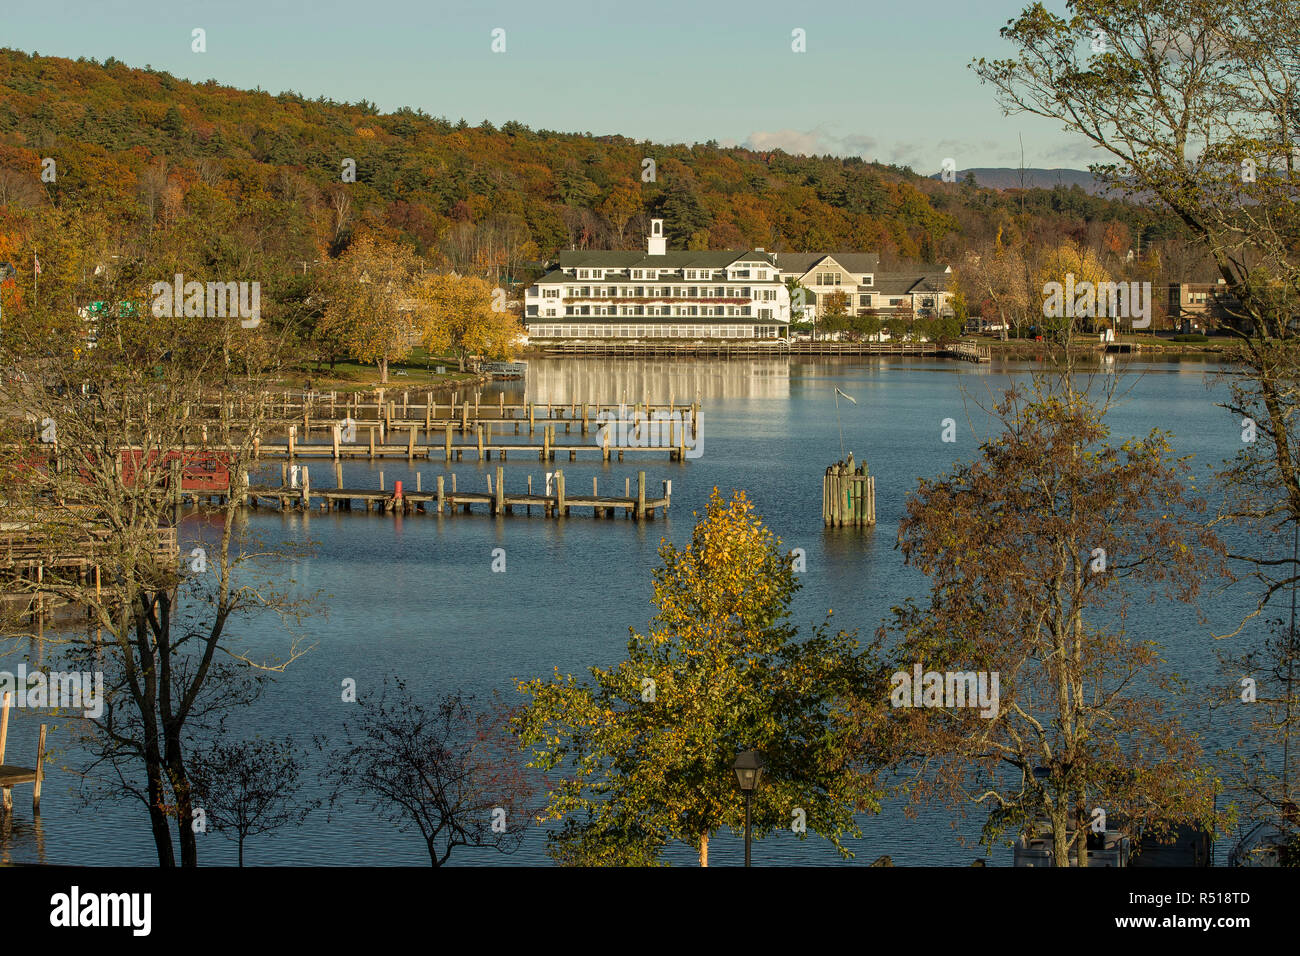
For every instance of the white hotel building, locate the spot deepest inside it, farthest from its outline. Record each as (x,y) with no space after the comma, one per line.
(659,294)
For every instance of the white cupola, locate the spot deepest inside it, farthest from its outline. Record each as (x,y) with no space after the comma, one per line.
(656,244)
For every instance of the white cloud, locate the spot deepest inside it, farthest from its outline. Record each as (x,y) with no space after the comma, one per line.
(813,142)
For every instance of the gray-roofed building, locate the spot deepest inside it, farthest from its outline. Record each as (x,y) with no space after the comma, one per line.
(658,294)
(629,294)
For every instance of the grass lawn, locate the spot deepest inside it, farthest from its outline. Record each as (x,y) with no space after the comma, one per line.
(415,371)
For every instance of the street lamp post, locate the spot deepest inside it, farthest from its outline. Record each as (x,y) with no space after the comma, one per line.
(749,771)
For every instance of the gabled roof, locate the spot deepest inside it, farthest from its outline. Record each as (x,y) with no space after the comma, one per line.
(801,263)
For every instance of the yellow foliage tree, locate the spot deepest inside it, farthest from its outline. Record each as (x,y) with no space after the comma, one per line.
(368,301)
(1070,266)
(463,316)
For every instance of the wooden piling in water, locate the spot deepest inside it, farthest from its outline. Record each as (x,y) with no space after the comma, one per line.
(848,496)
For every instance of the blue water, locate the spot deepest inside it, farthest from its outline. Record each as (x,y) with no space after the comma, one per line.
(416,597)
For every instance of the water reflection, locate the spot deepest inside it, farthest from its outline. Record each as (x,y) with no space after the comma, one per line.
(564,380)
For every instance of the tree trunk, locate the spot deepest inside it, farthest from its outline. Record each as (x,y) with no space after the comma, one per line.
(156,788)
(1060,836)
(158,822)
(383,371)
(184,806)
(704,849)
(1082,827)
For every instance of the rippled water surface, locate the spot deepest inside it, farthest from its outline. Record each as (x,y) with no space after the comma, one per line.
(416,596)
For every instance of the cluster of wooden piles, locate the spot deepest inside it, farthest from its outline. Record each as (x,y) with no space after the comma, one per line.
(848,495)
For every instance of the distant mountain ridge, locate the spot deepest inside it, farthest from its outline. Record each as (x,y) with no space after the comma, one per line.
(1006,177)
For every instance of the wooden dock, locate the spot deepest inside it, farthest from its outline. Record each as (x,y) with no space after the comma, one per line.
(971,352)
(557,501)
(404,409)
(366,429)
(27,555)
(674,442)
(12,776)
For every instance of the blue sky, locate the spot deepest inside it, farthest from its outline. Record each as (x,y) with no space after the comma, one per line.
(886,81)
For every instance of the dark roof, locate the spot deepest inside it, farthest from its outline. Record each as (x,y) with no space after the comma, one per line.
(891,285)
(689,259)
(803,262)
(933,282)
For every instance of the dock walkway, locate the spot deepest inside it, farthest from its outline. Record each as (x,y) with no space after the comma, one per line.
(637,505)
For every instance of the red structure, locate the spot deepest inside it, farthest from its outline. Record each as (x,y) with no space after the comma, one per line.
(201,471)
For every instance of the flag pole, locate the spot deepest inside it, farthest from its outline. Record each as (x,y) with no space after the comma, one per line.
(839,423)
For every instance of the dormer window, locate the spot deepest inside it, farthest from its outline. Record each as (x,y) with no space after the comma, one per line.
(867,280)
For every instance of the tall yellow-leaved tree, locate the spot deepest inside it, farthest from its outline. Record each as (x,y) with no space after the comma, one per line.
(368,301)
(1070,265)
(463,316)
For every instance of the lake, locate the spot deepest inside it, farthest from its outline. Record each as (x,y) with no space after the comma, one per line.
(416,596)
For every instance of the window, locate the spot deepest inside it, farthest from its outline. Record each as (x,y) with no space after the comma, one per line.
(864,300)
(868,280)
(827,278)
(550,293)
(895,301)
